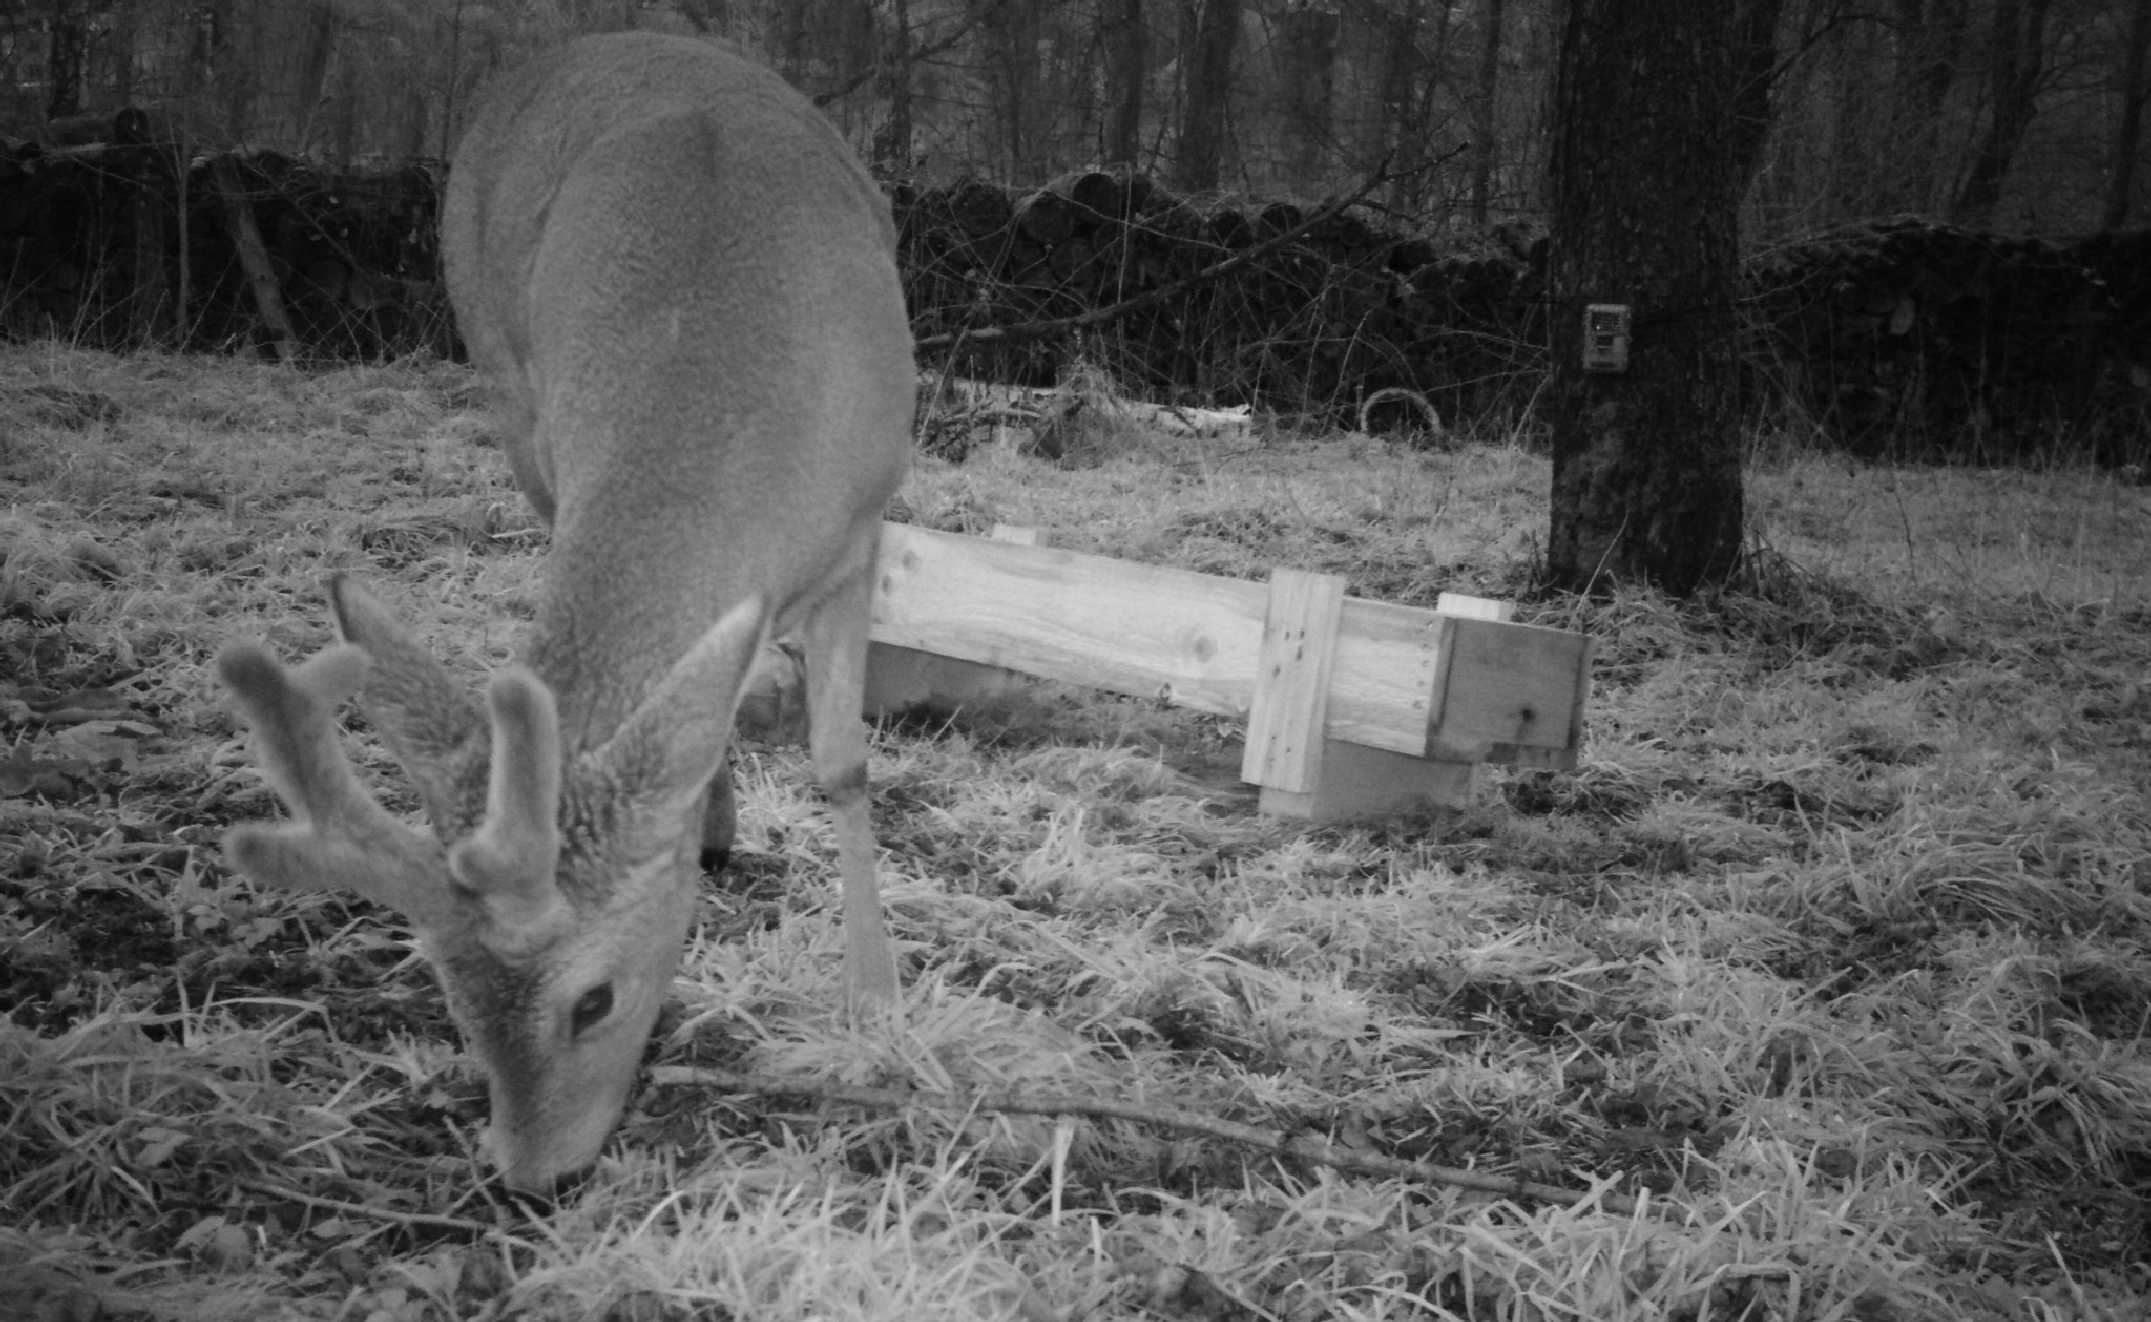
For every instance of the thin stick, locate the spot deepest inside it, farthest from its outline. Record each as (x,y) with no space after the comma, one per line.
(425,1220)
(1300,1147)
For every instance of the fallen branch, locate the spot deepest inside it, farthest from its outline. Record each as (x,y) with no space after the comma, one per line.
(1301,1147)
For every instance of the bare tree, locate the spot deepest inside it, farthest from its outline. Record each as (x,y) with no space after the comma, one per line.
(1646,192)
(892,140)
(1124,39)
(1483,119)
(1012,29)
(1210,30)
(1930,43)
(1752,113)
(1411,76)
(67,47)
(315,58)
(1307,56)
(2016,59)
(2128,131)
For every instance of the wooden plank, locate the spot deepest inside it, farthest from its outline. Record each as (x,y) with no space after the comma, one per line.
(1288,712)
(1508,694)
(900,677)
(1474,608)
(1168,634)
(1358,781)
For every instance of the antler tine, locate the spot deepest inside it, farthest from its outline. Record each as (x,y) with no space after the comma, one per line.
(421,712)
(345,839)
(292,713)
(513,852)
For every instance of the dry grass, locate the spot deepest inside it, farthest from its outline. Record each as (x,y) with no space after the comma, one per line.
(1832,953)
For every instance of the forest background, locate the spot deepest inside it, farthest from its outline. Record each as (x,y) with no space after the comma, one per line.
(2017,115)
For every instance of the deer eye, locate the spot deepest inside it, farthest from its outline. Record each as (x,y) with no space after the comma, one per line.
(590,1007)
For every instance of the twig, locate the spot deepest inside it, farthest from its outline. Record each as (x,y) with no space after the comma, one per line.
(425,1220)
(1031,330)
(1302,1147)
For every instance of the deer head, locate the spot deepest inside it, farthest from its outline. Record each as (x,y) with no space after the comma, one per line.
(551,895)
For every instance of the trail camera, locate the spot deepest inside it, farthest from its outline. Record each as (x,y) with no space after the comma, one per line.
(1605,337)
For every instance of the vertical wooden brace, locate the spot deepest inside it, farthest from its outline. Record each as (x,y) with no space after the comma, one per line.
(1286,717)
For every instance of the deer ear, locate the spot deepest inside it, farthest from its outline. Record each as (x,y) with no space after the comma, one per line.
(674,741)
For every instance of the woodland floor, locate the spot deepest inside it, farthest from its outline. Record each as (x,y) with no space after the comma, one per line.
(1832,954)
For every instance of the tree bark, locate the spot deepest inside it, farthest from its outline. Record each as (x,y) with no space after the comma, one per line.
(1212,29)
(1646,191)
(2128,133)
(2018,57)
(1757,35)
(1930,38)
(68,46)
(254,257)
(1309,56)
(892,141)
(1125,40)
(314,62)
(1012,30)
(1483,118)
(1408,100)
(1855,177)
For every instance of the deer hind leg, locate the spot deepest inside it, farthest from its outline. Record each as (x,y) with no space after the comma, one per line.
(720,820)
(834,637)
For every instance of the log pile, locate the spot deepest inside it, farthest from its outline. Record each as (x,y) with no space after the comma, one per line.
(1900,337)
(1350,307)
(126,241)
(1910,338)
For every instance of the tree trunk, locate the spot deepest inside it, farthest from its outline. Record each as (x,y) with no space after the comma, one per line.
(892,141)
(1409,100)
(234,76)
(1309,57)
(314,62)
(1930,37)
(120,52)
(1757,35)
(145,168)
(1483,118)
(2018,58)
(2128,134)
(1212,29)
(68,41)
(1125,40)
(1854,178)
(1012,30)
(1646,190)
(254,257)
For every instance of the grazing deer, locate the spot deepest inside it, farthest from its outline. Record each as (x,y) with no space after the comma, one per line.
(682,283)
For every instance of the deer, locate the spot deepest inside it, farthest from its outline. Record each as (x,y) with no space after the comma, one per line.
(681,283)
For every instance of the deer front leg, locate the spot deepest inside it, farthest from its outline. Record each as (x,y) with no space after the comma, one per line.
(834,638)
